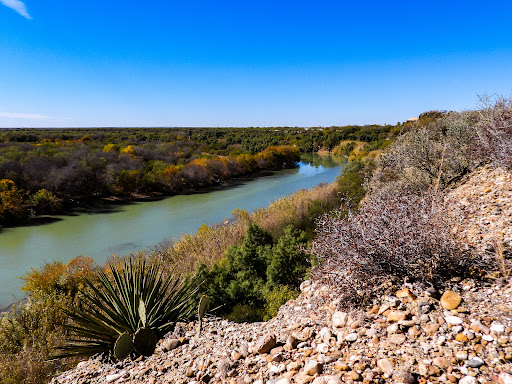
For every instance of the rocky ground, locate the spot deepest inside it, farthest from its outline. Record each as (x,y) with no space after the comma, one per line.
(462,334)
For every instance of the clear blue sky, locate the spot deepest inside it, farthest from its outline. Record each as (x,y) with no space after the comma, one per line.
(247,63)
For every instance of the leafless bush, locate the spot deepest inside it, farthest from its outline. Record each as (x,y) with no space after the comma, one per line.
(494,130)
(389,238)
(437,154)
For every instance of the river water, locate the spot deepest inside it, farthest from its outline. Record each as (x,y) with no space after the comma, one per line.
(126,228)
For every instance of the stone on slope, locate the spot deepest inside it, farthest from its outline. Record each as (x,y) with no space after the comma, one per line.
(450,300)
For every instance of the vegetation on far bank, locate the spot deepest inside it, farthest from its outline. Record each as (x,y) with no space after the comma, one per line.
(44,171)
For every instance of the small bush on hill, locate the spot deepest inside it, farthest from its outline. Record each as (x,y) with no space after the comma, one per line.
(389,238)
(439,153)
(494,130)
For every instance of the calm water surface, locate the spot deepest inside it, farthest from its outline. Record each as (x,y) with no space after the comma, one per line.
(131,227)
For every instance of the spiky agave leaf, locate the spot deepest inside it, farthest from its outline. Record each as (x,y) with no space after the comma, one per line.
(111,307)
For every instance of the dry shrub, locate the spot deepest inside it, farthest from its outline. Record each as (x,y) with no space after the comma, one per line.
(389,238)
(27,339)
(437,154)
(494,130)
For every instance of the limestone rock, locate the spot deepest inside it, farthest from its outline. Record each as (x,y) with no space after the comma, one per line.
(339,319)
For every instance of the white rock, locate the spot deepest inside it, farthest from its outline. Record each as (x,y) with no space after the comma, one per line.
(327,379)
(497,327)
(116,376)
(284,380)
(351,337)
(467,380)
(488,338)
(339,319)
(453,320)
(322,348)
(506,378)
(325,334)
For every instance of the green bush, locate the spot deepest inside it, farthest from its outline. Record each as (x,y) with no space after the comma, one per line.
(242,280)
(278,296)
(43,201)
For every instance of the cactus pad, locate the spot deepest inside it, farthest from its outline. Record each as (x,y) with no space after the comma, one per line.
(145,341)
(123,346)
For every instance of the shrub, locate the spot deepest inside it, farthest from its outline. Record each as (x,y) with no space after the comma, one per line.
(278,296)
(437,154)
(58,278)
(43,201)
(494,130)
(391,237)
(27,336)
(241,282)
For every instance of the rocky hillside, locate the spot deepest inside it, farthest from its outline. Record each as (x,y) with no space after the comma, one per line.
(412,334)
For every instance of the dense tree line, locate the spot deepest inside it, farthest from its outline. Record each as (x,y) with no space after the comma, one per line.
(45,170)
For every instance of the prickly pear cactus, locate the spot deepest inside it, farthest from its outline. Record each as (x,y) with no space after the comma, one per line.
(145,341)
(203,305)
(142,313)
(123,346)
(201,310)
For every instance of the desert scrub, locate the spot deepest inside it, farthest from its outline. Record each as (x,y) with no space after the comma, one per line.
(27,338)
(494,129)
(389,238)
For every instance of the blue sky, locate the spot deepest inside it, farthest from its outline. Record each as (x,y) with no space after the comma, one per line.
(247,63)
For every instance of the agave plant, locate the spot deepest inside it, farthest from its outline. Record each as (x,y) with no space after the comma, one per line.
(128,310)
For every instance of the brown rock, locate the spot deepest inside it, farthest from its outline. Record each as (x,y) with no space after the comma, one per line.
(461,338)
(170,344)
(396,316)
(354,376)
(291,343)
(450,300)
(397,339)
(302,378)
(403,377)
(431,328)
(441,362)
(312,367)
(264,344)
(341,366)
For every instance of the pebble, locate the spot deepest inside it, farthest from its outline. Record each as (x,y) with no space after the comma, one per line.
(475,362)
(450,300)
(453,320)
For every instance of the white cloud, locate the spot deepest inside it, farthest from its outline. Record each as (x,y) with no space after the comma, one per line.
(30,116)
(18,6)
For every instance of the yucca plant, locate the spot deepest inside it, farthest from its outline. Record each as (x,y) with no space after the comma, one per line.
(128,310)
